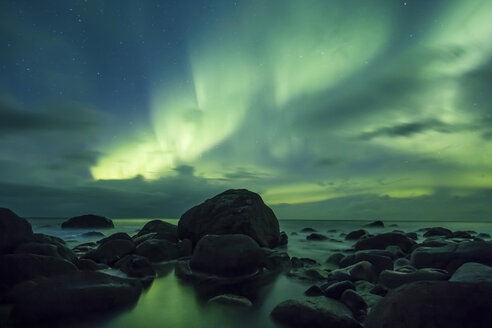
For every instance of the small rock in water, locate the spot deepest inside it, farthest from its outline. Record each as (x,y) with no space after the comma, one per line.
(356,234)
(88,221)
(473,273)
(354,302)
(317,237)
(92,234)
(438,231)
(336,290)
(230,299)
(308,230)
(375,224)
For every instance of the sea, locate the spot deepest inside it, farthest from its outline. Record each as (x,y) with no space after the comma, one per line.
(170,302)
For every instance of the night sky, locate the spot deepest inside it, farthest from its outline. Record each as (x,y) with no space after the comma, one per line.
(329,109)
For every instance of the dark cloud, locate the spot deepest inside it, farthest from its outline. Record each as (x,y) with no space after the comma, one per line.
(185,170)
(409,129)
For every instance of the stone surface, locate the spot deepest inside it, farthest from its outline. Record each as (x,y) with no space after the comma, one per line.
(384,240)
(380,262)
(393,279)
(231,300)
(136,266)
(14,230)
(438,231)
(314,312)
(111,251)
(355,303)
(87,221)
(235,211)
(336,290)
(375,224)
(362,270)
(226,255)
(473,272)
(316,236)
(356,234)
(157,250)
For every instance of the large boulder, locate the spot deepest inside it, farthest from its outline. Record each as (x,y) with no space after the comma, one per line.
(14,230)
(136,266)
(158,229)
(450,257)
(235,211)
(74,297)
(88,221)
(318,311)
(473,272)
(434,304)
(380,262)
(384,240)
(157,250)
(394,279)
(111,251)
(226,255)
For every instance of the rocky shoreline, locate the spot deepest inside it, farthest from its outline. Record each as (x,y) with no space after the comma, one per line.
(229,248)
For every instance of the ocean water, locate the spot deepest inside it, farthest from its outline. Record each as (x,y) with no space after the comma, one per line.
(170,302)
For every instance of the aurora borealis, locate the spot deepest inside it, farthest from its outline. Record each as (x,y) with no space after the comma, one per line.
(329,109)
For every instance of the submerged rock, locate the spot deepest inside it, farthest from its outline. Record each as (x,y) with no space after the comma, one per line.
(438,231)
(384,240)
(14,230)
(136,266)
(231,300)
(375,224)
(87,221)
(157,250)
(380,262)
(356,234)
(316,236)
(111,251)
(226,255)
(314,312)
(235,211)
(157,229)
(336,290)
(355,303)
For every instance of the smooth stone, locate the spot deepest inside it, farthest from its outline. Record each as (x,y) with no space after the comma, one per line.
(308,229)
(92,234)
(87,221)
(162,229)
(116,236)
(483,235)
(438,231)
(302,262)
(275,260)
(375,224)
(316,236)
(158,250)
(362,270)
(14,230)
(235,211)
(283,239)
(394,279)
(355,303)
(315,312)
(380,262)
(461,235)
(384,240)
(335,258)
(111,251)
(356,234)
(314,290)
(336,290)
(231,300)
(473,273)
(90,265)
(136,266)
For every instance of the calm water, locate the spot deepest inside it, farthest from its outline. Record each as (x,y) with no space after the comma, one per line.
(170,302)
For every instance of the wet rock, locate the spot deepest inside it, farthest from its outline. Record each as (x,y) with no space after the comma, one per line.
(74,297)
(111,251)
(473,273)
(396,251)
(314,312)
(316,236)
(90,265)
(384,240)
(335,259)
(308,230)
(375,224)
(363,270)
(412,235)
(379,290)
(483,235)
(226,255)
(394,279)
(314,290)
(92,234)
(231,300)
(309,274)
(185,247)
(364,288)
(434,304)
(116,236)
(136,266)
(336,290)
(380,262)
(14,230)
(47,245)
(302,262)
(157,229)
(356,234)
(283,239)
(158,250)
(438,231)
(275,260)
(235,211)
(88,221)
(355,303)
(461,235)
(37,248)
(399,263)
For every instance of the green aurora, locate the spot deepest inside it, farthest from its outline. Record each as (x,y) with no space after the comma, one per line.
(329,109)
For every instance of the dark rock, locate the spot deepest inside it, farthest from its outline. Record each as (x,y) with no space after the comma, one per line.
(375,224)
(450,257)
(438,231)
(336,290)
(355,303)
(111,251)
(379,262)
(88,221)
(379,290)
(473,273)
(90,265)
(363,270)
(226,255)
(302,262)
(15,268)
(394,279)
(399,263)
(434,304)
(395,251)
(92,234)
(384,240)
(136,266)
(74,297)
(313,274)
(314,290)
(483,235)
(356,234)
(157,229)
(461,234)
(235,211)
(293,233)
(316,236)
(364,288)
(47,239)
(185,247)
(116,236)
(275,260)
(315,312)
(283,239)
(335,258)
(412,235)
(231,300)
(172,238)
(158,250)
(308,230)
(14,230)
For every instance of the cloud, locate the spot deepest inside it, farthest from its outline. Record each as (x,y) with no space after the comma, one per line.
(409,129)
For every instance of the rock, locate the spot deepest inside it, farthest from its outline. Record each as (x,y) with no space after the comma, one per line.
(314,312)
(336,290)
(438,231)
(379,290)
(88,221)
(316,236)
(335,258)
(310,274)
(158,250)
(308,230)
(355,303)
(433,304)
(283,239)
(473,273)
(160,230)
(185,247)
(116,236)
(399,263)
(394,279)
(156,235)
(92,234)
(483,235)
(412,235)
(380,262)
(74,297)
(232,300)
(451,257)
(363,270)
(136,266)
(226,255)
(111,251)
(275,260)
(375,224)
(14,230)
(384,240)
(314,290)
(90,265)
(235,211)
(302,262)
(15,268)
(364,288)
(461,235)
(37,248)
(356,234)
(395,251)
